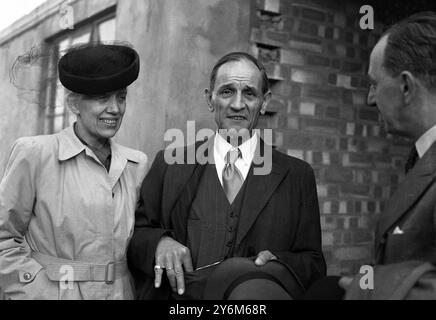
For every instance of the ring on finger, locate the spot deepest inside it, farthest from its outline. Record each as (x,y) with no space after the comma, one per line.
(169,268)
(157,267)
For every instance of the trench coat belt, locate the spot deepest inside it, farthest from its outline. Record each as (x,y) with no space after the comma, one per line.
(58,269)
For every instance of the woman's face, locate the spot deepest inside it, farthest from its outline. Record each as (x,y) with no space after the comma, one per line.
(99,116)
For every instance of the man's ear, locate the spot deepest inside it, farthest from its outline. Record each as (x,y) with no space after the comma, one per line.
(208,97)
(408,86)
(266,100)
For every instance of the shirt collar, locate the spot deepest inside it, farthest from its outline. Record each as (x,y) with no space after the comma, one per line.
(425,141)
(248,148)
(70,146)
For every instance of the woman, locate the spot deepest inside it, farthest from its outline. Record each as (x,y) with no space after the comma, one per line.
(67,200)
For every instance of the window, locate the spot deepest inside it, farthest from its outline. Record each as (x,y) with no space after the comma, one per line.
(57,115)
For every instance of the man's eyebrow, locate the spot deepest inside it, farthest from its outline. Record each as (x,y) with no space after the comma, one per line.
(231,85)
(251,88)
(225,86)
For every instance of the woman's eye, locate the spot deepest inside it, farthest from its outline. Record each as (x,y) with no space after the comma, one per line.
(103,98)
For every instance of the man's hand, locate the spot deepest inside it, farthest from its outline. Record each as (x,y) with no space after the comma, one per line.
(345,282)
(174,257)
(263,257)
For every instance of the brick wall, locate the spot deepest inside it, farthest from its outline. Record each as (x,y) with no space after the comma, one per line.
(317,58)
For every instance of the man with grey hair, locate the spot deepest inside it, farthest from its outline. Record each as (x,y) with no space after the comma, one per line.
(219,230)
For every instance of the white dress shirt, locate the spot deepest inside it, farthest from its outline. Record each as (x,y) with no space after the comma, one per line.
(220,149)
(425,141)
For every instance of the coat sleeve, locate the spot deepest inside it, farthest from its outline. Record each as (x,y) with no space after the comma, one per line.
(148,228)
(21,277)
(305,257)
(408,280)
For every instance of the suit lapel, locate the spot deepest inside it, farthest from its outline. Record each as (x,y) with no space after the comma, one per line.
(178,177)
(413,186)
(258,191)
(181,187)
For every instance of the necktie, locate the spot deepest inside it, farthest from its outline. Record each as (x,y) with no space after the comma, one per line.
(413,157)
(232,177)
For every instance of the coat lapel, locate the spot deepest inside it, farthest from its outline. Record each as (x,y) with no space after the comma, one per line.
(258,191)
(413,186)
(181,187)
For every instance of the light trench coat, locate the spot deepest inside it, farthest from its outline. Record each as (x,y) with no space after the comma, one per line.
(57,199)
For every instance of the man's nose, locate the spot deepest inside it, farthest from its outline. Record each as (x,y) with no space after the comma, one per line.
(237,102)
(371,98)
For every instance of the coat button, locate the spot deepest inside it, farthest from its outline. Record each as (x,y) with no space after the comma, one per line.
(27,276)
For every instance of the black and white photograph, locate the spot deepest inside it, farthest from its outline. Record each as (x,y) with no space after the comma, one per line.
(199,152)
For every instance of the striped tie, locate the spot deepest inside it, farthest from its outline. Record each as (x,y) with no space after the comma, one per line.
(232,177)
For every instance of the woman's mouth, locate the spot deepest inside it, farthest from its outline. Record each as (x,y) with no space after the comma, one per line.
(109,122)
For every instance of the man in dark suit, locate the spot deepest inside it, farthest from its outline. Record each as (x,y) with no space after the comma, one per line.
(193,216)
(402,75)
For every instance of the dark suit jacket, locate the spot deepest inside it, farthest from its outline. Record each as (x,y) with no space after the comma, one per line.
(405,236)
(280,213)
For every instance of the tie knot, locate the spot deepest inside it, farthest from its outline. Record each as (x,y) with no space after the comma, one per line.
(233,155)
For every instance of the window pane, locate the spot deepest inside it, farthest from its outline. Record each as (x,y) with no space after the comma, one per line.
(58,123)
(59,102)
(84,38)
(106,30)
(63,46)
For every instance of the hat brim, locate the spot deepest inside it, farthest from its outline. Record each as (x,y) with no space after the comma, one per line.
(231,272)
(99,85)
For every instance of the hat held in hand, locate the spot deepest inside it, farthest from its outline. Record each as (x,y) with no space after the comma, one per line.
(271,281)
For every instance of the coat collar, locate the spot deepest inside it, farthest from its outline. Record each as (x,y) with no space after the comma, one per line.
(70,146)
(415,183)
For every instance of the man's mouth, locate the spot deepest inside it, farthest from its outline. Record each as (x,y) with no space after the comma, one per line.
(237,118)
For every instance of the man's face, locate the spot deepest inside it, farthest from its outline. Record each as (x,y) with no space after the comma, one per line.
(385,91)
(99,117)
(237,97)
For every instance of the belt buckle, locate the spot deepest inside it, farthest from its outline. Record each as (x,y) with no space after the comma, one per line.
(110,273)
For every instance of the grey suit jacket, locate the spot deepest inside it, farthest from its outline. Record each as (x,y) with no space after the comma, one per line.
(405,238)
